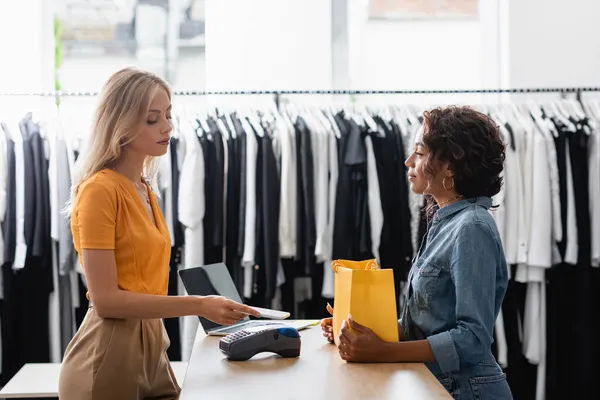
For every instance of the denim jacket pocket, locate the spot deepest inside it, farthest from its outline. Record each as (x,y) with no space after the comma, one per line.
(494,387)
(425,284)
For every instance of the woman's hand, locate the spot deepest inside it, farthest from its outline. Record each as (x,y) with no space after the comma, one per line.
(327,325)
(223,310)
(362,345)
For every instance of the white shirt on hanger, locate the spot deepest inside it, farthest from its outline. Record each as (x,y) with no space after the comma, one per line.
(374,199)
(3,179)
(571,255)
(250,223)
(288,190)
(321,168)
(541,237)
(328,274)
(191,205)
(21,247)
(594,194)
(165,185)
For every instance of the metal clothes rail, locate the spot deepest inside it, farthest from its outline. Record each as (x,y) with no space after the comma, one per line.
(333,92)
(278,93)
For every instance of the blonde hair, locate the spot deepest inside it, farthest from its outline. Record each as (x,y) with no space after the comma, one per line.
(125,99)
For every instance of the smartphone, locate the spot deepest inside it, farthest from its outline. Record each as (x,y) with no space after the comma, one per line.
(271,314)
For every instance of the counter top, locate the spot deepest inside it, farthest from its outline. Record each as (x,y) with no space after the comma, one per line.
(319,373)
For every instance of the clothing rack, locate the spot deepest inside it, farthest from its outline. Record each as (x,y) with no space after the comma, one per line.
(331,92)
(278,93)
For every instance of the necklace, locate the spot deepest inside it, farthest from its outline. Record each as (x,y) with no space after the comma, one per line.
(450,200)
(144,193)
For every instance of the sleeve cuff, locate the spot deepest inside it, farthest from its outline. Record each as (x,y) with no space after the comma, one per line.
(444,351)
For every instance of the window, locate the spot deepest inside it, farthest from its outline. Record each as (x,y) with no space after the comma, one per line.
(423,9)
(97,37)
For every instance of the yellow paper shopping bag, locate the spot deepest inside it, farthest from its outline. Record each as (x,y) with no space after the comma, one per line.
(368,294)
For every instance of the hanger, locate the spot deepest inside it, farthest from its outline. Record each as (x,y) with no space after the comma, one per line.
(222,128)
(231,125)
(251,116)
(369,121)
(201,120)
(577,108)
(334,126)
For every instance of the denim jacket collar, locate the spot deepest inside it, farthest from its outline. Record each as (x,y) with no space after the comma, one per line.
(453,208)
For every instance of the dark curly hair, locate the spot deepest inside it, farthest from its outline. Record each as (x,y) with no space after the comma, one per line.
(471,143)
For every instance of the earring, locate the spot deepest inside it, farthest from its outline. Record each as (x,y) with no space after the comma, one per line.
(444,183)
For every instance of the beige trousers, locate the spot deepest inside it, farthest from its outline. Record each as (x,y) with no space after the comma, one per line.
(116,359)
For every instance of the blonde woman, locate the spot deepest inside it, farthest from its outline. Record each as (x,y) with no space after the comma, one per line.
(121,236)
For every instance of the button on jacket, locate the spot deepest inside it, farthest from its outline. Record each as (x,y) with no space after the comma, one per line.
(457,284)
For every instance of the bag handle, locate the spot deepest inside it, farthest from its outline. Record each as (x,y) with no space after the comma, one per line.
(362,265)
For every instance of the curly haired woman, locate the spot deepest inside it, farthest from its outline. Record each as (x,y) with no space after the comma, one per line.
(459,275)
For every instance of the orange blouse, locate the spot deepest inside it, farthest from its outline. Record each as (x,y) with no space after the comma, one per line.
(110,214)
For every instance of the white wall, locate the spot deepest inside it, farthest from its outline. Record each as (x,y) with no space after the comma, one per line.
(268,44)
(553,42)
(27,53)
(27,56)
(417,55)
(405,55)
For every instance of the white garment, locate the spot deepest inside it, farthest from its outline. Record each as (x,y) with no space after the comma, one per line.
(514,205)
(374,199)
(321,168)
(501,341)
(3,179)
(594,195)
(55,217)
(54,317)
(541,236)
(21,246)
(534,343)
(288,190)
(328,274)
(250,222)
(53,182)
(540,393)
(191,205)
(557,227)
(527,154)
(165,186)
(532,329)
(571,254)
(499,199)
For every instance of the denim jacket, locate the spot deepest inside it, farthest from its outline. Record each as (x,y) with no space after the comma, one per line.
(457,283)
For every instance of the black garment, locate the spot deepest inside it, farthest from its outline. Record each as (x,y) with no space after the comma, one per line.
(232,221)
(259,276)
(396,245)
(217,207)
(25,318)
(25,314)
(212,148)
(521,375)
(559,298)
(351,233)
(267,216)
(241,134)
(81,311)
(404,207)
(306,234)
(586,316)
(172,325)
(178,233)
(571,313)
(84,303)
(9,226)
